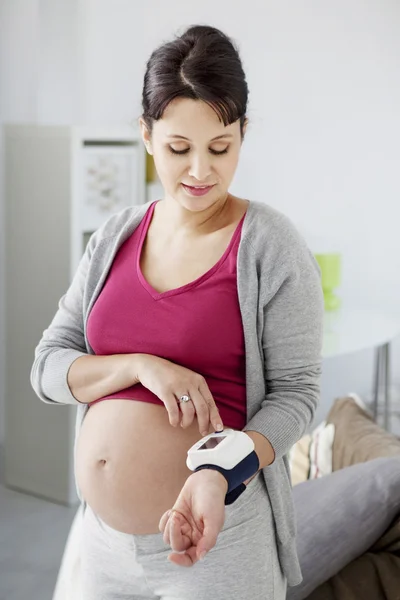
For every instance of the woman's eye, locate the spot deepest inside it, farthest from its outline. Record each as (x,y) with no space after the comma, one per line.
(219,152)
(184,151)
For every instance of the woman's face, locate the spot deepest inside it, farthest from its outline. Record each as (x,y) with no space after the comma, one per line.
(194,153)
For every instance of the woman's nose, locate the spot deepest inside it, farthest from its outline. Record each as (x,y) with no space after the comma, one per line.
(200,168)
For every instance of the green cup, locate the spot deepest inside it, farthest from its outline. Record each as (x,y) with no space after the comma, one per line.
(330,264)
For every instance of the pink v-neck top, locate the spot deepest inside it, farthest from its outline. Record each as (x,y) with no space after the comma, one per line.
(197,325)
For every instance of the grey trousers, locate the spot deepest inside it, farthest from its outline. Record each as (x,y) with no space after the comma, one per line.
(243,565)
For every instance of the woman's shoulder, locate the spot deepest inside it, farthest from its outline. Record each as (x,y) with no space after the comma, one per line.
(269,229)
(124,220)
(277,247)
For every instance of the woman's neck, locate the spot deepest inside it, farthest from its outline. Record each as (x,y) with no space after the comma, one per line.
(172,216)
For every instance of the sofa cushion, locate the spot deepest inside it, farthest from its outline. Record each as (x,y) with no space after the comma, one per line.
(357,437)
(311,456)
(299,460)
(321,450)
(340,516)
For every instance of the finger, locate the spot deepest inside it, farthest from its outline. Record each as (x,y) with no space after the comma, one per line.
(184,559)
(172,408)
(178,541)
(163,521)
(166,536)
(188,413)
(169,531)
(208,539)
(202,411)
(214,416)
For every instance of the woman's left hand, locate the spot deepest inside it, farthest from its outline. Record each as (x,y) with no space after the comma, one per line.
(192,526)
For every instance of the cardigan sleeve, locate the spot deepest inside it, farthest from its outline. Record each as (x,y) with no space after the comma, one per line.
(63,341)
(292,312)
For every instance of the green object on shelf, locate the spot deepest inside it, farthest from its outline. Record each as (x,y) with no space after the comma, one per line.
(330,264)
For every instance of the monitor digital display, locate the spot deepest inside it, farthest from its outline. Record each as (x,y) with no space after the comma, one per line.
(212,442)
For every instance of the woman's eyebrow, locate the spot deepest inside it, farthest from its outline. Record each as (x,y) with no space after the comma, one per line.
(181,137)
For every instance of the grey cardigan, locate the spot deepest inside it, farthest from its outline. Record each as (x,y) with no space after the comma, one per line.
(282,312)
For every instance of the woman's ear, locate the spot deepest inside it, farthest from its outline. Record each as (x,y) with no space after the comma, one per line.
(145,135)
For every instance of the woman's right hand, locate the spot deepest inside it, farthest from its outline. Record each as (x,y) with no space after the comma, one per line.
(169,382)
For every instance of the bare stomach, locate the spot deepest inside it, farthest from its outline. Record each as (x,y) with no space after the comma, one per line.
(131,463)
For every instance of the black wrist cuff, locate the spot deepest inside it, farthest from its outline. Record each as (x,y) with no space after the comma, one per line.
(245,469)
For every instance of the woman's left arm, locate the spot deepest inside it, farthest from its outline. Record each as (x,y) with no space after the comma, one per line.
(291,342)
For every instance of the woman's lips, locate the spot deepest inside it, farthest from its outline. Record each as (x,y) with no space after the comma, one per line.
(197,190)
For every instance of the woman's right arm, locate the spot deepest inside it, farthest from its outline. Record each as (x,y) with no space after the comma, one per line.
(64,373)
(91,377)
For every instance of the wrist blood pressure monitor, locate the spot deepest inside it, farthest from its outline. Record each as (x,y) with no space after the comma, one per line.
(231,453)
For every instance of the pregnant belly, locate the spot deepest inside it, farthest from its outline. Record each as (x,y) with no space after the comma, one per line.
(131,463)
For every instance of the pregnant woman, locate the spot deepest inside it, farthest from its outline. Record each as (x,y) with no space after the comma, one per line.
(195,314)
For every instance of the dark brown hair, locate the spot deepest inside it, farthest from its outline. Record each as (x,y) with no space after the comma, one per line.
(201,64)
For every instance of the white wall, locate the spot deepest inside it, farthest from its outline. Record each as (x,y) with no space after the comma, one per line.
(324,110)
(60,61)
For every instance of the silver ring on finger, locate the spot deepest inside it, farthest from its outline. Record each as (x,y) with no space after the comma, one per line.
(184,398)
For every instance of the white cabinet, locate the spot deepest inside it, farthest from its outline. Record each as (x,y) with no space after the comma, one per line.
(61,183)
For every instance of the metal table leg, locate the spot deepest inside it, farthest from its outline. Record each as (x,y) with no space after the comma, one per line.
(382,383)
(377,371)
(386,386)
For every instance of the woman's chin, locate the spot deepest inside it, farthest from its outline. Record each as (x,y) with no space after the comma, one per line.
(197,203)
